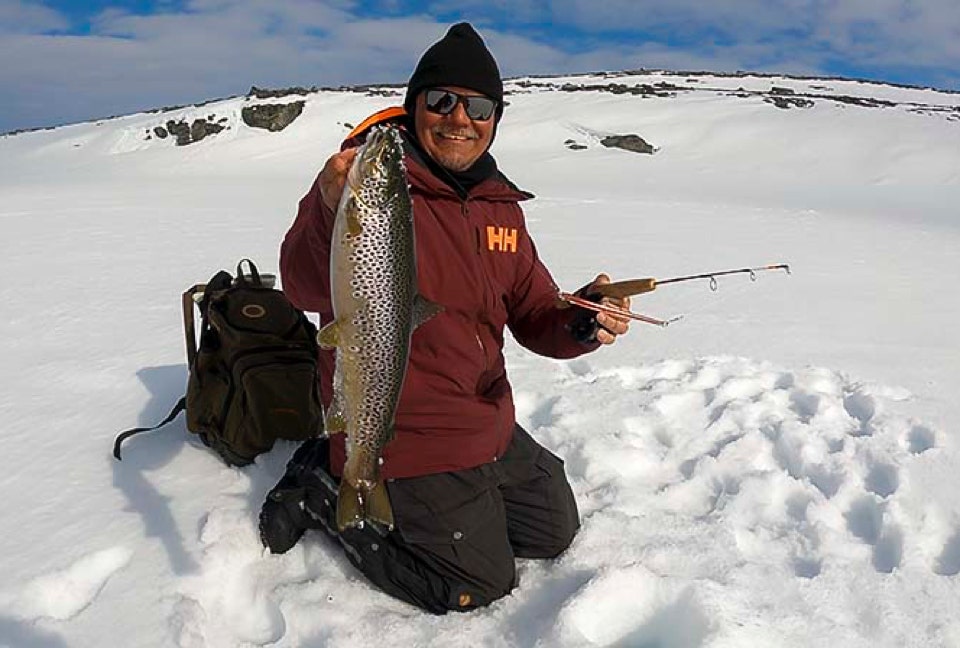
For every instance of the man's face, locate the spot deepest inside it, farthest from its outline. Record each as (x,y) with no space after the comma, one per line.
(454,140)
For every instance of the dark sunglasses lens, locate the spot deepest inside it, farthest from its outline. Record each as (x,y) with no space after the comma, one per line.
(479,108)
(441,101)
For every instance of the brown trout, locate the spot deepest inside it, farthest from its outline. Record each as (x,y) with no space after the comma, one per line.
(376,306)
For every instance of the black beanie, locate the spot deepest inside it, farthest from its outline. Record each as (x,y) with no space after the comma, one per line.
(460,58)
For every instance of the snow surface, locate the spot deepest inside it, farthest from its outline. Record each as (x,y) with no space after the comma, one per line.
(779,468)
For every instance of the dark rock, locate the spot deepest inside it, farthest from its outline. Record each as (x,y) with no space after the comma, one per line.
(265,93)
(180,130)
(188,133)
(633,143)
(574,146)
(661,89)
(789,102)
(272,117)
(198,130)
(777,90)
(866,102)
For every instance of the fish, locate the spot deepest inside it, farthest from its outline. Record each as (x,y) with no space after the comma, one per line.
(376,307)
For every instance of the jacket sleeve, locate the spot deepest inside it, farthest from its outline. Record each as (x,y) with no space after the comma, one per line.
(534,315)
(305,255)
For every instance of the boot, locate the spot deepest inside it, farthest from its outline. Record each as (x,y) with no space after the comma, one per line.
(304,498)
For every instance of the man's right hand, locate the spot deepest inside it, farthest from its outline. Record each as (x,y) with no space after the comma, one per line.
(334,176)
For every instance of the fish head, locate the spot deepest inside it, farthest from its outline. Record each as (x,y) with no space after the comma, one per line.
(379,164)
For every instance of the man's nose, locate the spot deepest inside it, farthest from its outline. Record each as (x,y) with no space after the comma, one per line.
(459,115)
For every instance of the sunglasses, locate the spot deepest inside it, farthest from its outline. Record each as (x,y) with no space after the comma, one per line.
(444,102)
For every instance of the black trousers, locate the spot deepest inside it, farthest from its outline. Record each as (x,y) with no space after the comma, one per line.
(456,533)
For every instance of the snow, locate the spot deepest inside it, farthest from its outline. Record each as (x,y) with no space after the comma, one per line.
(778,468)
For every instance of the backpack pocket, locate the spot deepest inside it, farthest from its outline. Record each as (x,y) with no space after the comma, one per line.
(275,396)
(207,392)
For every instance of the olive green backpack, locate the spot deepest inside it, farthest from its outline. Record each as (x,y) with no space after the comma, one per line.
(253,378)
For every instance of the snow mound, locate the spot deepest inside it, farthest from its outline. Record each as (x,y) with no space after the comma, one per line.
(64,594)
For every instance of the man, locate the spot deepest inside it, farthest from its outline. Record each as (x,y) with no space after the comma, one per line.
(470,489)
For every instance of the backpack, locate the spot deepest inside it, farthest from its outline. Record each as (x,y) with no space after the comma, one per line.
(253,378)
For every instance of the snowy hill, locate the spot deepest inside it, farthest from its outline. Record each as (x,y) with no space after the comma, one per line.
(778,468)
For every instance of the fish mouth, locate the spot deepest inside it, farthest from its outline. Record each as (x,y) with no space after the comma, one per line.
(383,146)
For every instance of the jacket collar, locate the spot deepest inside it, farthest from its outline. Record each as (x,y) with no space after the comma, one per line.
(497,188)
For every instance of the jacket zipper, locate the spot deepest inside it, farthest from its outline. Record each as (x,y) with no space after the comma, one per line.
(464,211)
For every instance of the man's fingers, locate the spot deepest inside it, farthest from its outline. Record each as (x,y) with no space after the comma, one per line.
(612,323)
(334,176)
(344,159)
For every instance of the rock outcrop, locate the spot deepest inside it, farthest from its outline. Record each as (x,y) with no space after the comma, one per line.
(631,142)
(188,133)
(268,93)
(272,117)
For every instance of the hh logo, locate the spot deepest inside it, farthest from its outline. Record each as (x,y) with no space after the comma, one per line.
(503,239)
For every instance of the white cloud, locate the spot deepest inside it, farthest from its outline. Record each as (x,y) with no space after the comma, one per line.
(880,36)
(132,62)
(211,48)
(29,17)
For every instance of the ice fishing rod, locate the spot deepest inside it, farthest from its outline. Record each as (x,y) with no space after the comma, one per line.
(632,287)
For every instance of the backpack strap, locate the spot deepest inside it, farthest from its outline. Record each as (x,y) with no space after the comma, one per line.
(189,323)
(253,278)
(179,407)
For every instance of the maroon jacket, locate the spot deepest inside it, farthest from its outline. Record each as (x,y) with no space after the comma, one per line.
(476,259)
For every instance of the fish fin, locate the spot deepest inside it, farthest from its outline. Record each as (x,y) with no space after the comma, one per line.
(424,309)
(329,335)
(353,225)
(334,421)
(349,507)
(376,505)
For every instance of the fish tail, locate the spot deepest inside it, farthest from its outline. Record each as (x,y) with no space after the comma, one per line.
(349,507)
(377,505)
(355,505)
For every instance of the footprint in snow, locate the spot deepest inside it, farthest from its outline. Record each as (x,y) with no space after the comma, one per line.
(233,596)
(865,521)
(804,405)
(888,551)
(882,479)
(64,594)
(948,563)
(632,606)
(863,408)
(920,439)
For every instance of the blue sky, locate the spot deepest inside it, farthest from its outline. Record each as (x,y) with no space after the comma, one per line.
(72,61)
